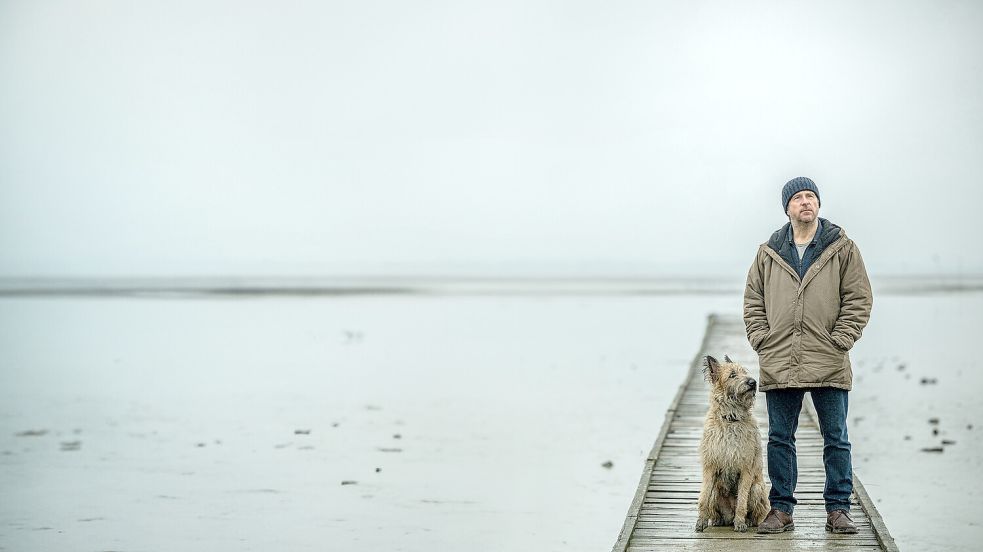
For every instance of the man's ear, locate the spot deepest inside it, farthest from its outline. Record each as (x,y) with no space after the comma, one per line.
(711,369)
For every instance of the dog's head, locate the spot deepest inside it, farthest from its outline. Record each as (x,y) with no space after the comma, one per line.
(729,378)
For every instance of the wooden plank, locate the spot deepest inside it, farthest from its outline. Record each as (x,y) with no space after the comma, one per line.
(760,543)
(727,533)
(663,513)
(809,522)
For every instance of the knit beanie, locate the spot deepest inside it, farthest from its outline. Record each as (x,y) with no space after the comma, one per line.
(795,186)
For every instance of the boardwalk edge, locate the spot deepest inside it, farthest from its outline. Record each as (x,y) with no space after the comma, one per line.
(884,537)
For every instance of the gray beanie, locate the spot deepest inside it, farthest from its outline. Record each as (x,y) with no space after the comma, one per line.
(795,186)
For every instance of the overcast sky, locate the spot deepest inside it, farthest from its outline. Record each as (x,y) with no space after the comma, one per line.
(319,138)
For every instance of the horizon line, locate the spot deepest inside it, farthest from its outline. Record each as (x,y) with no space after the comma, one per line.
(390,284)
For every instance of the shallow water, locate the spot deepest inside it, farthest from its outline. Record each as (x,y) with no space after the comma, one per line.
(186,414)
(416,422)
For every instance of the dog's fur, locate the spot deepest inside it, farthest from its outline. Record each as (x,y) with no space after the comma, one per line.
(730,452)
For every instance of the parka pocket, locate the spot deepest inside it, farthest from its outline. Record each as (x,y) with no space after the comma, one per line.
(828,337)
(764,341)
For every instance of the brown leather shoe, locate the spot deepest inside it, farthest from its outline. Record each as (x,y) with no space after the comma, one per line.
(776,521)
(838,521)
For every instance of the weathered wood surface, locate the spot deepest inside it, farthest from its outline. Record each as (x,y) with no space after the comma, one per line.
(662,515)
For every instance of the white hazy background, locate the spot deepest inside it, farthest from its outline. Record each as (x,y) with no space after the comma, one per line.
(379,137)
(211,139)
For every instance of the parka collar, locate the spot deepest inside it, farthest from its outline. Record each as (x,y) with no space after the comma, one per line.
(781,247)
(825,235)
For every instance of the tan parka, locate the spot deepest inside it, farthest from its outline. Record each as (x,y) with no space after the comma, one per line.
(803,329)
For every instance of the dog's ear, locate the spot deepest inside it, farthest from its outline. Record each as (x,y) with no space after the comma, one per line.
(711,369)
(727,359)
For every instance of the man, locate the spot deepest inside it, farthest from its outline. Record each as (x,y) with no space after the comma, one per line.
(806,303)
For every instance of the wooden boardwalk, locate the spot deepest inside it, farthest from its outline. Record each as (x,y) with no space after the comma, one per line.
(662,515)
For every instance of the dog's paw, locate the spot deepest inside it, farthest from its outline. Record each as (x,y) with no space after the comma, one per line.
(702,524)
(740,525)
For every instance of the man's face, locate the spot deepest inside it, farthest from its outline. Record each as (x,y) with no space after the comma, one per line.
(803,207)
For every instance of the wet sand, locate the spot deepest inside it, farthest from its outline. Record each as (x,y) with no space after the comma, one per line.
(417,423)
(916,418)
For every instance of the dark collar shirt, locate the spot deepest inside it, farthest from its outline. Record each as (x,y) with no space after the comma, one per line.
(802,264)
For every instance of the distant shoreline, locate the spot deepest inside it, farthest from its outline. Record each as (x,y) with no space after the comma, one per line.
(434,285)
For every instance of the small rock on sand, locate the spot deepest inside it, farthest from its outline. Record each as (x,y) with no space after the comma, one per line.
(349,482)
(71,445)
(609,464)
(32,433)
(302,432)
(352,336)
(948,442)
(929,381)
(397,436)
(933,421)
(933,449)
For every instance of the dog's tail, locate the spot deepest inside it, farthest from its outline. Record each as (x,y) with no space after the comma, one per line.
(759,504)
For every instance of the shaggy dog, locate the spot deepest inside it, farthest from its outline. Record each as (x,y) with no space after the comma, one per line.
(730,451)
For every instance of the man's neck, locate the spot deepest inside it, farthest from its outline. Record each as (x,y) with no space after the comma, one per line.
(803,232)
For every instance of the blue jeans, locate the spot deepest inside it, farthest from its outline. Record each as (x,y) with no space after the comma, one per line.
(784,406)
